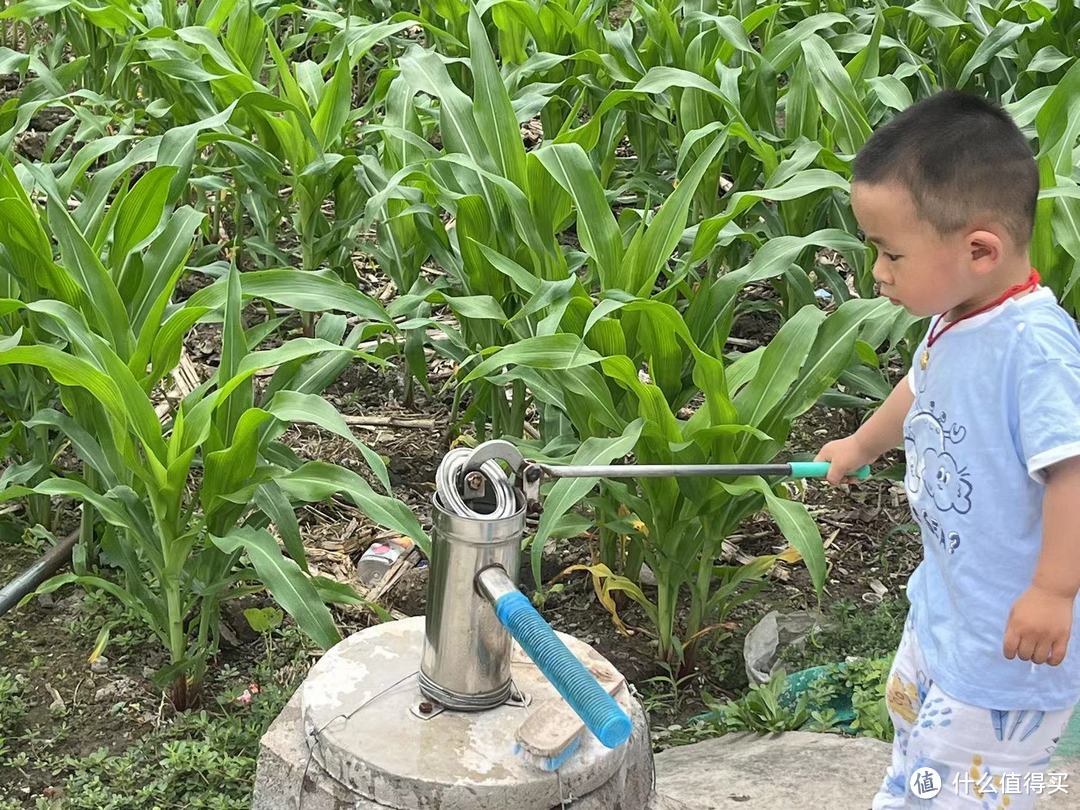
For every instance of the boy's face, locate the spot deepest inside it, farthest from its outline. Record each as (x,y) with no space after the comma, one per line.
(916,267)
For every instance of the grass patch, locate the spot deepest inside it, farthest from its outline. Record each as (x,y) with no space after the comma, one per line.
(74,756)
(853,630)
(860,640)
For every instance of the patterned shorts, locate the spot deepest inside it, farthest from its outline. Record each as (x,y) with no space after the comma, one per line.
(950,755)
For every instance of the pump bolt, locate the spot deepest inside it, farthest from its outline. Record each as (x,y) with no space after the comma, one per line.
(474,481)
(426,708)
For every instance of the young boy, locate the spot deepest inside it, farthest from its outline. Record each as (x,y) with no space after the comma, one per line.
(987,671)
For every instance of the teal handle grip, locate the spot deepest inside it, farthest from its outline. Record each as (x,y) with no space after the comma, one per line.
(819,469)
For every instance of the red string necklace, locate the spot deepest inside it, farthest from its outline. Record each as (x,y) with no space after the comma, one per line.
(934,335)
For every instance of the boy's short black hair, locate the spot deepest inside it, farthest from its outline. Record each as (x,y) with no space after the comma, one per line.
(961,157)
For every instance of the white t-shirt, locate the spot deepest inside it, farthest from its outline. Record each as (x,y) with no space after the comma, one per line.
(998,403)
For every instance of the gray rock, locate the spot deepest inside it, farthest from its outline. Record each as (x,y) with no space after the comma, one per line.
(70,606)
(117,689)
(647,578)
(232,613)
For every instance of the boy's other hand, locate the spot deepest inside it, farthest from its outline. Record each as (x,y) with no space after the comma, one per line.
(844,456)
(1039,626)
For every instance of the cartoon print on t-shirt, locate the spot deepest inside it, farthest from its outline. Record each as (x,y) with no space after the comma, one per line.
(934,475)
(950,541)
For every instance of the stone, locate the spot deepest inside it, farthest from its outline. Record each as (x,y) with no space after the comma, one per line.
(116,689)
(409,593)
(233,615)
(373,752)
(646,577)
(70,606)
(99,665)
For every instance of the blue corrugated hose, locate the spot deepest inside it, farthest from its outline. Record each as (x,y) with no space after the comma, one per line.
(602,715)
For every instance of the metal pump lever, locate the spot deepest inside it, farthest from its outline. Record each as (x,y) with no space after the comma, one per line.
(529,472)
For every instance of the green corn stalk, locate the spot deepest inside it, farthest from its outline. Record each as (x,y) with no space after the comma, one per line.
(624,331)
(485,179)
(573,257)
(116,294)
(190,533)
(301,122)
(1056,242)
(746,418)
(184,501)
(98,34)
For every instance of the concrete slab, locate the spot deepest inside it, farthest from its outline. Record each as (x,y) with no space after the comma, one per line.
(283,776)
(796,771)
(789,771)
(658,802)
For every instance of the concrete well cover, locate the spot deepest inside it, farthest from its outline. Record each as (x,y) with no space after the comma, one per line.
(455,760)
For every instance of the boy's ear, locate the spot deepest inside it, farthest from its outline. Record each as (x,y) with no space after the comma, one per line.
(985,250)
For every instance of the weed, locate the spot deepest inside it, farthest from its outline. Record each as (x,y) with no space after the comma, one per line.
(852,631)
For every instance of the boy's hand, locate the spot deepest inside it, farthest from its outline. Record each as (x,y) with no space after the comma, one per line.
(1039,626)
(844,456)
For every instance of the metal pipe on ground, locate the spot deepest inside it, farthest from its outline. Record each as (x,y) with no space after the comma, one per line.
(46,565)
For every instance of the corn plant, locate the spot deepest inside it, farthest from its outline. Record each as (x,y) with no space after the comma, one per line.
(690,153)
(119,294)
(494,192)
(745,418)
(187,501)
(30,448)
(1056,244)
(187,505)
(626,276)
(627,331)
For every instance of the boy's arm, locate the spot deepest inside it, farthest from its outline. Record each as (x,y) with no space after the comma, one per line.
(883,431)
(1041,619)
